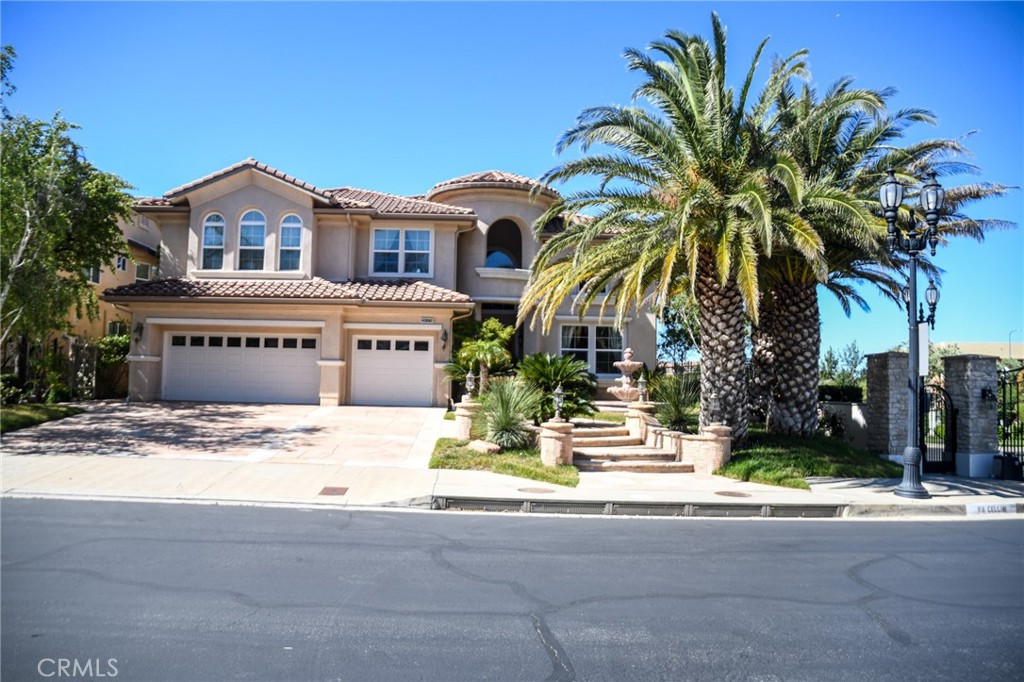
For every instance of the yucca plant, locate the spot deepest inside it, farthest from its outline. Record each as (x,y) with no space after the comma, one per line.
(546,372)
(677,399)
(505,410)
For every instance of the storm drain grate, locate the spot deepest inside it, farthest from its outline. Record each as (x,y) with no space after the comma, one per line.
(727,510)
(330,490)
(567,507)
(803,512)
(483,505)
(650,509)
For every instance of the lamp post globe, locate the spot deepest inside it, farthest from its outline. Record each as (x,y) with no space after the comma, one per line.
(912,242)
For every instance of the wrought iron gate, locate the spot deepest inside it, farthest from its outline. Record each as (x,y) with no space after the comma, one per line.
(1011,412)
(938,430)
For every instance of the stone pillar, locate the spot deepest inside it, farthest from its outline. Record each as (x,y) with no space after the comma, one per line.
(673,441)
(556,443)
(709,450)
(888,374)
(966,377)
(464,419)
(638,417)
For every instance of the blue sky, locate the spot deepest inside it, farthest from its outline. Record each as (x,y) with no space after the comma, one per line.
(399,96)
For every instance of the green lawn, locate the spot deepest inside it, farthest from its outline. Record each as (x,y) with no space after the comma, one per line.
(14,417)
(449,416)
(786,461)
(617,417)
(450,453)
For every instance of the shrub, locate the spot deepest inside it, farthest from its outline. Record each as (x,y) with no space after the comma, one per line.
(545,372)
(677,399)
(830,424)
(10,389)
(505,409)
(840,393)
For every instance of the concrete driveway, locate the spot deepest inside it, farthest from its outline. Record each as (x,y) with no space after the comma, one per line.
(351,435)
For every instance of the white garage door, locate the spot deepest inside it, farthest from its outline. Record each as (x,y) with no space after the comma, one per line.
(244,368)
(388,370)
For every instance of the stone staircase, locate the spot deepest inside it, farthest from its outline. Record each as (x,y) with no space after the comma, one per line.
(612,448)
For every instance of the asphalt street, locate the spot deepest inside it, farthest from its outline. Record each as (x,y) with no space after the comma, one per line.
(190,592)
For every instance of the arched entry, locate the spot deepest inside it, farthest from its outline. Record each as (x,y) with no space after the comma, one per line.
(504,245)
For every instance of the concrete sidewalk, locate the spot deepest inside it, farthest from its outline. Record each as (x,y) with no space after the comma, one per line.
(298,464)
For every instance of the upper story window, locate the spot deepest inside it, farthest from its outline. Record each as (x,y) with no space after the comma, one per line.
(504,245)
(400,251)
(143,272)
(597,345)
(122,263)
(290,251)
(92,274)
(213,242)
(252,236)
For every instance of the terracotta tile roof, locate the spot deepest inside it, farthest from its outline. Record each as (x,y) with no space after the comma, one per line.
(491,179)
(255,165)
(371,291)
(152,201)
(395,204)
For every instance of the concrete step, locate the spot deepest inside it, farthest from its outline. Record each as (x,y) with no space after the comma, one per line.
(606,441)
(599,431)
(634,453)
(646,467)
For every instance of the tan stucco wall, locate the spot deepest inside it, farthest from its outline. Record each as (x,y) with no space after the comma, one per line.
(232,198)
(174,236)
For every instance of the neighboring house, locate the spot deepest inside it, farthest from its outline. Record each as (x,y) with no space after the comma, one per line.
(273,290)
(139,265)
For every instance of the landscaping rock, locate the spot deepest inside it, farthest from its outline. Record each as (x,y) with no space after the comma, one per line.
(484,447)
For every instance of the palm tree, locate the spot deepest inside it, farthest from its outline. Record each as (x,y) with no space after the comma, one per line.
(842,144)
(679,208)
(490,348)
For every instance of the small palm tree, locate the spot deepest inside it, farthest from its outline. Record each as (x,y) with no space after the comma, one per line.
(489,349)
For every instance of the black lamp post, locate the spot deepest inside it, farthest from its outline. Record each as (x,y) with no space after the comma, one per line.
(912,243)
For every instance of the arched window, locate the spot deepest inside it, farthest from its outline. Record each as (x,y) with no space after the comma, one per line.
(290,249)
(252,235)
(213,242)
(504,245)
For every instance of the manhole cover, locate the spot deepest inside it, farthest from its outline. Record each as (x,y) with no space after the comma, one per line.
(333,491)
(731,493)
(536,490)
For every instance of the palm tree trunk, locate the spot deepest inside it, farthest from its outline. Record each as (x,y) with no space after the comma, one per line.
(762,359)
(485,373)
(723,366)
(797,338)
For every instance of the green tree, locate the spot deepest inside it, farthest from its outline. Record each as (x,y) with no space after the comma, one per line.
(680,207)
(547,372)
(829,367)
(680,330)
(58,218)
(488,349)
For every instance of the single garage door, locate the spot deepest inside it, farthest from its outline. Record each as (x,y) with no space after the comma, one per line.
(389,370)
(243,368)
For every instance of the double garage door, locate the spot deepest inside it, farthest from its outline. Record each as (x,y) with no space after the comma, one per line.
(282,368)
(248,368)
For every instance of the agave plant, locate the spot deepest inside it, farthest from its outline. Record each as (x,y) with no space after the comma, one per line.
(546,372)
(505,410)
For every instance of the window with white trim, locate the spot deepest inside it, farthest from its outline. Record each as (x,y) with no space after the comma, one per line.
(252,236)
(597,345)
(401,251)
(143,272)
(213,242)
(92,274)
(290,250)
(122,263)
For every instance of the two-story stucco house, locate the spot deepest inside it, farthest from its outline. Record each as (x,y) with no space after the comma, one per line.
(273,290)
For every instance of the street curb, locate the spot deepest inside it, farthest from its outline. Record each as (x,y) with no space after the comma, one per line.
(717,509)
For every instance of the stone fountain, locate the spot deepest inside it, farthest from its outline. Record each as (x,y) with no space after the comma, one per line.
(628,366)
